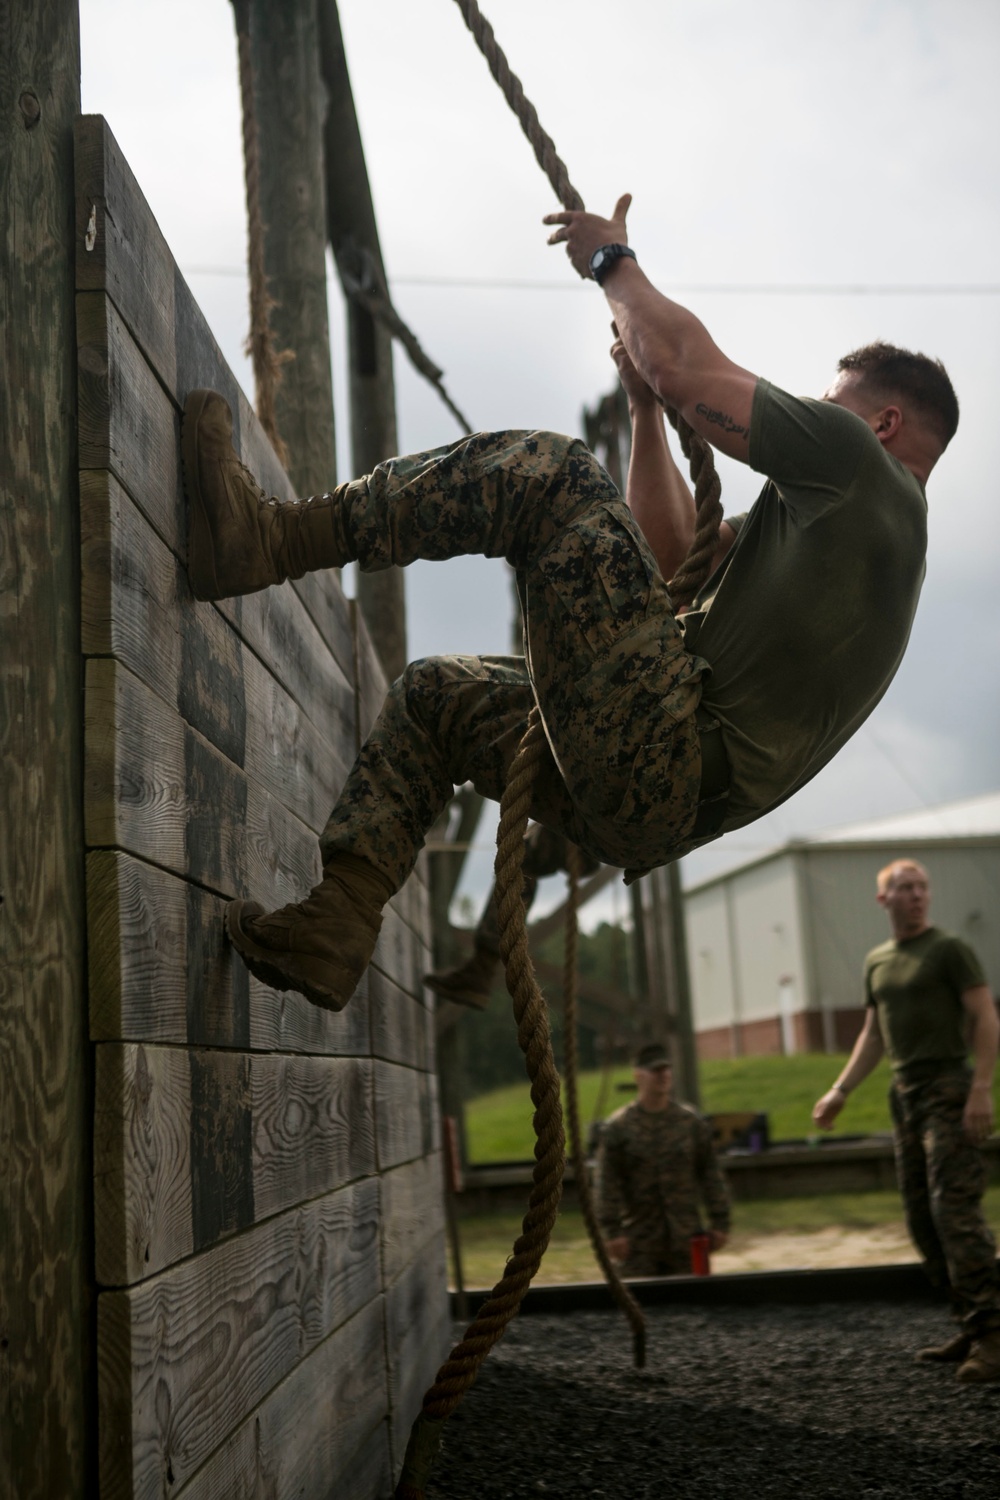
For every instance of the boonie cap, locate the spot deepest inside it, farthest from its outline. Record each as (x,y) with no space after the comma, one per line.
(652,1055)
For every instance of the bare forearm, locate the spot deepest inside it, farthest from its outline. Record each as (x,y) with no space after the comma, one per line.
(985,1042)
(656,492)
(864,1059)
(663,338)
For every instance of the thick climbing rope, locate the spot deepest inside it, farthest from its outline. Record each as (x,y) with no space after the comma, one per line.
(619,1291)
(708,510)
(266,360)
(460,1369)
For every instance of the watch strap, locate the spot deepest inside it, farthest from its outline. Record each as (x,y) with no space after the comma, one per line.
(605,256)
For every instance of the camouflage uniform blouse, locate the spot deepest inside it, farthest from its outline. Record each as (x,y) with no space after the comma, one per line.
(654,1169)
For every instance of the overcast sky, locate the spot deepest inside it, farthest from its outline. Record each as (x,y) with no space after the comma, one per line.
(806,177)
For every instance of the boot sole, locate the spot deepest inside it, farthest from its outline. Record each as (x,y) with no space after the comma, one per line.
(321,983)
(201,553)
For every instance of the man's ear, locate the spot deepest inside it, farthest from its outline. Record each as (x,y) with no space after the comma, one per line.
(887,423)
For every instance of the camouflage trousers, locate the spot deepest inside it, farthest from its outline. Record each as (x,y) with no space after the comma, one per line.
(545,853)
(942,1176)
(605,660)
(652,1261)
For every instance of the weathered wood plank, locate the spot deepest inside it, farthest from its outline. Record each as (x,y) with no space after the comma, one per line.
(157,789)
(130,428)
(191,1145)
(313,1127)
(417,1338)
(399,1029)
(412,1212)
(137,606)
(406,1114)
(161,970)
(45,1348)
(369,675)
(320,1432)
(142,1162)
(369,1473)
(401,953)
(130,259)
(188,1355)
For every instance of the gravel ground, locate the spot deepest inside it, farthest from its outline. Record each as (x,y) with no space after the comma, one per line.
(735,1404)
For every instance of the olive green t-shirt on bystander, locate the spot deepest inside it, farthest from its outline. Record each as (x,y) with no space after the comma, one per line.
(916,986)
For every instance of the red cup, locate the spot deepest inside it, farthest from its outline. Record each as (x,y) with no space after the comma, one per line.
(701,1245)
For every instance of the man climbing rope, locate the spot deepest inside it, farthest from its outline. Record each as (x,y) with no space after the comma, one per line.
(662,733)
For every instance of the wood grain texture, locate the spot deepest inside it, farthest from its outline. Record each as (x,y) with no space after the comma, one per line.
(193,1144)
(46,1415)
(412,1212)
(186,1357)
(418,1336)
(137,607)
(321,1431)
(161,970)
(159,790)
(399,1030)
(130,429)
(132,262)
(406,1114)
(401,954)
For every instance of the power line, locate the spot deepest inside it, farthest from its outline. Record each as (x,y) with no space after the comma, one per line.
(702,288)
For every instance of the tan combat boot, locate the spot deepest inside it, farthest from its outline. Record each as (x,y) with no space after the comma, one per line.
(240,539)
(983,1363)
(471,983)
(952,1352)
(320,946)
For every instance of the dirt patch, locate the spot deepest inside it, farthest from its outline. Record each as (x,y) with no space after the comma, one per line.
(883,1245)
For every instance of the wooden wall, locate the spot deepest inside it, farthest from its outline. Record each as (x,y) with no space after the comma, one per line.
(268,1212)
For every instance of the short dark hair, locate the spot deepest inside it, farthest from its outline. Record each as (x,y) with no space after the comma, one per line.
(921,381)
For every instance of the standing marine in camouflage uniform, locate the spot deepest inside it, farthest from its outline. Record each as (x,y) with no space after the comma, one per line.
(656,1167)
(924,990)
(661,732)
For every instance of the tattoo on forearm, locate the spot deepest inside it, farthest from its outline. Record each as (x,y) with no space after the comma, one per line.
(721,419)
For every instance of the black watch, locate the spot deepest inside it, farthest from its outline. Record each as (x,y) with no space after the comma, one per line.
(604,258)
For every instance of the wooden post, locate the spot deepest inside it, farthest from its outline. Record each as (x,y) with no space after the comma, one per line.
(661,910)
(47,1419)
(354,237)
(288,95)
(685,1053)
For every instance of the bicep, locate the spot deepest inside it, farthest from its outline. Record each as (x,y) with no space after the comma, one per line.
(977,1001)
(717,401)
(871,1031)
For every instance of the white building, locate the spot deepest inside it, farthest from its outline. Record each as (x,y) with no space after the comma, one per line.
(776,945)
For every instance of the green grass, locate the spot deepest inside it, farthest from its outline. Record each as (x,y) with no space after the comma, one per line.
(498,1124)
(761,1231)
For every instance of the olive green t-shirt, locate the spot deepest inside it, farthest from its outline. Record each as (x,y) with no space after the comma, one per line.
(804,625)
(916,986)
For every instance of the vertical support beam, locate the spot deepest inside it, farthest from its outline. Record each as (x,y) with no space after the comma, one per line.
(288,100)
(685,1054)
(47,1420)
(660,914)
(354,237)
